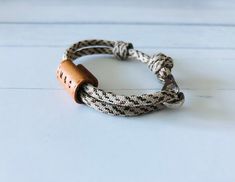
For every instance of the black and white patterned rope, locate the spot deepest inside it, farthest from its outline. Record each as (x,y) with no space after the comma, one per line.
(110,103)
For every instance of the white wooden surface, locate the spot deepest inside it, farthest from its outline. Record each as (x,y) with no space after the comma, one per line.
(44,136)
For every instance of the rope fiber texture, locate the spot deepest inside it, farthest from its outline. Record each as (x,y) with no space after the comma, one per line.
(133,105)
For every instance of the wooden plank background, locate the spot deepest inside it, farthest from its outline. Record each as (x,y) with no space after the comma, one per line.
(44,136)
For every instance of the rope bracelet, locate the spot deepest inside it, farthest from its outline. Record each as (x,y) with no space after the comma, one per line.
(82,85)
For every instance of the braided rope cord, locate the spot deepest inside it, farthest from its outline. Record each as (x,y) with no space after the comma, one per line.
(111,103)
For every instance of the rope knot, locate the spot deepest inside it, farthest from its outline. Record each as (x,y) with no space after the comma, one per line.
(161,65)
(121,50)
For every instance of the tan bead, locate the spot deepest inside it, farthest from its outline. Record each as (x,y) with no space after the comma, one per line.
(72,77)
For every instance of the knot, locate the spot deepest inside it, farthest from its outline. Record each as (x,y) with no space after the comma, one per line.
(121,49)
(161,65)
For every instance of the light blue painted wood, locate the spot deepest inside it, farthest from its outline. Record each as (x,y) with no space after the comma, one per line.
(135,11)
(153,36)
(45,136)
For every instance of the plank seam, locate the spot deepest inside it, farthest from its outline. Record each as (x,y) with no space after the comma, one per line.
(118,23)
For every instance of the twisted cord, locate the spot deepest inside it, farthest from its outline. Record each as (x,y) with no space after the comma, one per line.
(111,103)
